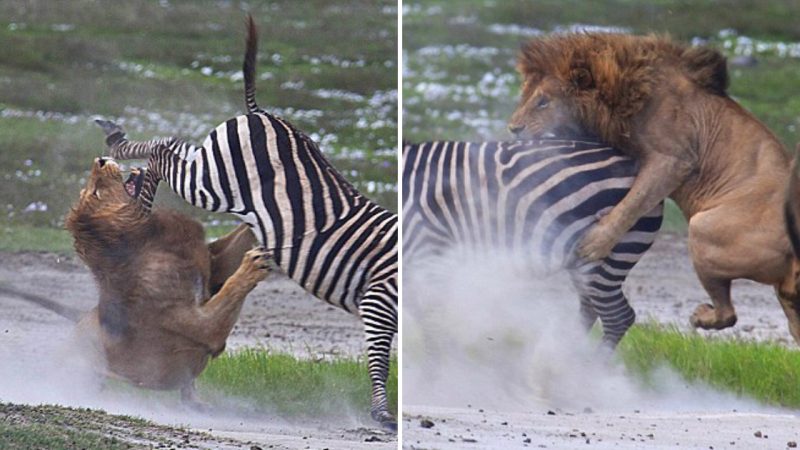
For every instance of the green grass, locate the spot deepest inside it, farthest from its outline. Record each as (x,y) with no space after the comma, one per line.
(16,238)
(24,427)
(764,371)
(289,386)
(46,436)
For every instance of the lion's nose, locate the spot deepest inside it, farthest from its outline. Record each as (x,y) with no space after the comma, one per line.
(515,129)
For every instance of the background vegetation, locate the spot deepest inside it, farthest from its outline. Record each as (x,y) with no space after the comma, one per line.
(458,57)
(172,68)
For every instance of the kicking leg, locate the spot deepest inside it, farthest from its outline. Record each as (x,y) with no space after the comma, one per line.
(378,309)
(121,148)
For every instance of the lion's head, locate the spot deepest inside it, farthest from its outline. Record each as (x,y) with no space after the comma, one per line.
(105,188)
(108,209)
(594,84)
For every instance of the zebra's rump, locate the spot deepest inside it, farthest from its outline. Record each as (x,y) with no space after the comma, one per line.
(532,197)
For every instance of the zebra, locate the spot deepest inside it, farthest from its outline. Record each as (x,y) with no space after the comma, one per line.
(335,242)
(538,196)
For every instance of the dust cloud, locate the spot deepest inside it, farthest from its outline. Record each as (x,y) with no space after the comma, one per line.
(55,366)
(487,332)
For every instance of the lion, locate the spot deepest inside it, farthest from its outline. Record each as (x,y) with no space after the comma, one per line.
(167,300)
(666,105)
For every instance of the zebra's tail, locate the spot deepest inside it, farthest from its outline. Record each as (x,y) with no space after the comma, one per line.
(249,66)
(69,313)
(791,209)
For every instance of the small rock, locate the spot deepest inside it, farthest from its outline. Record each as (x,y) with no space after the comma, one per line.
(748,328)
(791,444)
(426,423)
(255,447)
(373,439)
(757,434)
(470,440)
(527,440)
(551,413)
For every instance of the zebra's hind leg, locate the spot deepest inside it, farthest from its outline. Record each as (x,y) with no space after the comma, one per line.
(121,148)
(378,311)
(602,297)
(615,314)
(588,314)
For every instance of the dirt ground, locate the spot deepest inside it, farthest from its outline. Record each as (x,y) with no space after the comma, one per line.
(662,288)
(277,315)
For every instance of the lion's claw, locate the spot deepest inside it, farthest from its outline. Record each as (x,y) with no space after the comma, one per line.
(256,263)
(597,243)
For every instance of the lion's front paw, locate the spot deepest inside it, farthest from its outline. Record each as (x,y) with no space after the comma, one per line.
(598,243)
(114,133)
(255,264)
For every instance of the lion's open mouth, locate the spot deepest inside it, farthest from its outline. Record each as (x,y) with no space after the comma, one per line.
(133,185)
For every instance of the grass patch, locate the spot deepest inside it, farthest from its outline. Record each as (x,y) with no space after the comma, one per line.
(59,427)
(15,238)
(765,371)
(291,386)
(30,436)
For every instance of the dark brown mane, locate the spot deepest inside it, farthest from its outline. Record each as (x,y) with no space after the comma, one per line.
(610,77)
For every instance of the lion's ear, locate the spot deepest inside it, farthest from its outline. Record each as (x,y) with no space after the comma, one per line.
(581,78)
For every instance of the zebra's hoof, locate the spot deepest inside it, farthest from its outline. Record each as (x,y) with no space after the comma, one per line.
(387,421)
(108,126)
(112,131)
(390,425)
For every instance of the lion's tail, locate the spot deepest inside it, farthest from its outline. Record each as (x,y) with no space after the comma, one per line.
(66,312)
(249,66)
(791,208)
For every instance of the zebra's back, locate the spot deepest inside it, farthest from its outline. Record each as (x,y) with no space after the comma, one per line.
(533,197)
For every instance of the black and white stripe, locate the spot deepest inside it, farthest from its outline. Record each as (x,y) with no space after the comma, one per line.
(535,199)
(336,243)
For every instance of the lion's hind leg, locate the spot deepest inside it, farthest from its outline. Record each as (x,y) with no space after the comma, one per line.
(789,297)
(721,313)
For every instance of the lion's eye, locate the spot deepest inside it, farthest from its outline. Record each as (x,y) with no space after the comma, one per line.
(542,103)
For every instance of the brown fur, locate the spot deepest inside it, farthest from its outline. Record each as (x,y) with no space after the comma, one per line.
(665,104)
(157,323)
(608,78)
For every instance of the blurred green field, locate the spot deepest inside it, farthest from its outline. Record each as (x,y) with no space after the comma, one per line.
(173,68)
(458,57)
